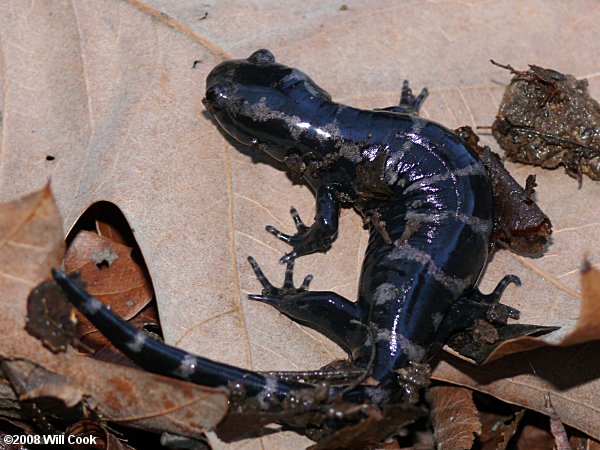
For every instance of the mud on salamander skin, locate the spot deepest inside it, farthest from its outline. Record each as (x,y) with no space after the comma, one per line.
(426,197)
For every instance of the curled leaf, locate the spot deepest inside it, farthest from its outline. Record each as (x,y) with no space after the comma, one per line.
(518,220)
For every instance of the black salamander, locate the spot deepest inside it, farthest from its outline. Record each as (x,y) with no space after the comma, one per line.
(426,197)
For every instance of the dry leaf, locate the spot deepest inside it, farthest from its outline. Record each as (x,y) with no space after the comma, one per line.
(534,438)
(561,440)
(110,223)
(31,381)
(582,443)
(31,242)
(106,440)
(587,326)
(454,417)
(110,89)
(497,430)
(110,274)
(510,431)
(493,427)
(572,371)
(9,403)
(30,233)
(373,430)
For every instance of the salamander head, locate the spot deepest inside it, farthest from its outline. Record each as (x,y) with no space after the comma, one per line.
(257,101)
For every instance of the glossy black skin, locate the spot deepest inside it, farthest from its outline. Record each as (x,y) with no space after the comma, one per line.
(429,202)
(423,172)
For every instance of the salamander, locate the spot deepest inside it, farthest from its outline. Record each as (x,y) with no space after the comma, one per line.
(424,194)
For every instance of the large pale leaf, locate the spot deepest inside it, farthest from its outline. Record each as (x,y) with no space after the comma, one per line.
(109,89)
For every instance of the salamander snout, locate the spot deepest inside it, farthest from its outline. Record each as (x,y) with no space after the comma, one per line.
(216,95)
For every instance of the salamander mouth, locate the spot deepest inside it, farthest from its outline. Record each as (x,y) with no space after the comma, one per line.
(217,94)
(208,105)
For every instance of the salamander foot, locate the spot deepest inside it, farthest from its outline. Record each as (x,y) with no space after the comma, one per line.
(273,295)
(498,312)
(409,102)
(306,240)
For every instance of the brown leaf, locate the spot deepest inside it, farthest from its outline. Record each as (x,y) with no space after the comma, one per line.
(561,440)
(106,440)
(570,372)
(30,234)
(510,431)
(374,429)
(9,405)
(110,274)
(518,220)
(110,223)
(534,438)
(493,426)
(454,417)
(587,327)
(110,232)
(498,429)
(583,443)
(32,381)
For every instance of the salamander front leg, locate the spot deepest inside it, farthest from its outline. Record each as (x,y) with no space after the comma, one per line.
(319,236)
(326,312)
(409,104)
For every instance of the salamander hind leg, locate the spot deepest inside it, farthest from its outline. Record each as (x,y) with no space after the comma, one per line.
(326,312)
(479,306)
(409,103)
(497,312)
(477,324)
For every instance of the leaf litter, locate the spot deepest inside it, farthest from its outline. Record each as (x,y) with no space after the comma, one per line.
(31,242)
(137,227)
(549,119)
(368,432)
(91,253)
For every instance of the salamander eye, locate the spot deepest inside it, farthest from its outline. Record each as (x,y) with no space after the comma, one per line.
(262,57)
(218,93)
